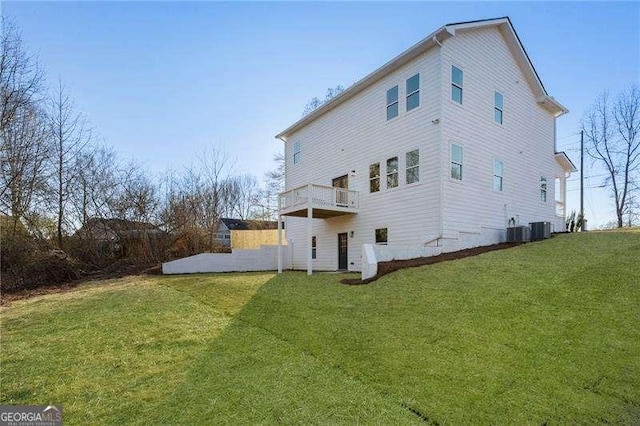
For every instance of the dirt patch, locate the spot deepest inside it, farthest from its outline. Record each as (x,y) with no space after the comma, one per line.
(385,268)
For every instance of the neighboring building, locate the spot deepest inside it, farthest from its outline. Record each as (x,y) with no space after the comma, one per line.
(245,234)
(444,146)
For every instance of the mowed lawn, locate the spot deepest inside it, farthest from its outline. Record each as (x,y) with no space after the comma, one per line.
(548,332)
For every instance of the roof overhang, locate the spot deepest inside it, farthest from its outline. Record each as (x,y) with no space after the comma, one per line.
(436,39)
(565,162)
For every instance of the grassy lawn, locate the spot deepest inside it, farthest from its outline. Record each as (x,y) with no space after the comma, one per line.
(545,332)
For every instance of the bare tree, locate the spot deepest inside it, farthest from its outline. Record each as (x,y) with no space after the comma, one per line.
(267,203)
(24,151)
(21,77)
(242,196)
(316,102)
(70,135)
(611,129)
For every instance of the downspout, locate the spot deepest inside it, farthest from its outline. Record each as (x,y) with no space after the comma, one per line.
(440,139)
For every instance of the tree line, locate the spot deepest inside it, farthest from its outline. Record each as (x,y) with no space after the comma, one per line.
(56,175)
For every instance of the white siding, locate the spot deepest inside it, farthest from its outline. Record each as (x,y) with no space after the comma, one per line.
(355,135)
(524,143)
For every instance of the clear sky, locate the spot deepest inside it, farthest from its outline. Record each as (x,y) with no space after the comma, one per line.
(161,81)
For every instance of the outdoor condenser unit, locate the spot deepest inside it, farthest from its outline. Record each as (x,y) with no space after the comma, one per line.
(540,230)
(518,234)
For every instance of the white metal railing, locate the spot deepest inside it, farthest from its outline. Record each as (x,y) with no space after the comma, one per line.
(560,208)
(321,196)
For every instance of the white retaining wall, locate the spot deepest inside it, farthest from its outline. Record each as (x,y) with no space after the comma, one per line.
(239,260)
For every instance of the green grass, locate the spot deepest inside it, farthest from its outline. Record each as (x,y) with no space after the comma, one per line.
(545,332)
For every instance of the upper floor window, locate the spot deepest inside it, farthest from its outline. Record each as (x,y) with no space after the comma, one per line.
(296,152)
(413,166)
(498,107)
(374,177)
(456,84)
(543,189)
(392,103)
(381,236)
(413,92)
(498,168)
(392,172)
(456,162)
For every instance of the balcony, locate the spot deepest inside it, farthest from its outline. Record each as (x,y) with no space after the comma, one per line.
(326,201)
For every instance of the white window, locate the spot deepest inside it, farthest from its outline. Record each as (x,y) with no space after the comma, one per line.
(413,166)
(498,169)
(456,84)
(413,92)
(374,177)
(543,189)
(313,247)
(296,152)
(392,103)
(381,236)
(392,172)
(456,162)
(498,107)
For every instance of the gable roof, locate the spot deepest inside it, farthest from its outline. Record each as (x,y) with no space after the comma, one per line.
(245,225)
(434,39)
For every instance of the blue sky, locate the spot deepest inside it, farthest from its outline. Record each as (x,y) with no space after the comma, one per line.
(161,81)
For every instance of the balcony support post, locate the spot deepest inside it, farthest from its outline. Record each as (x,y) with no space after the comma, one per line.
(309,229)
(279,237)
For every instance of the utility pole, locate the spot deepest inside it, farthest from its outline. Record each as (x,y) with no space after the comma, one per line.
(582,227)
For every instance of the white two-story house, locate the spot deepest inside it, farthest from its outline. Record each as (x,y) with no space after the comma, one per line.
(443,146)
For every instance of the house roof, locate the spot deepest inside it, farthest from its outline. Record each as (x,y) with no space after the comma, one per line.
(434,39)
(244,225)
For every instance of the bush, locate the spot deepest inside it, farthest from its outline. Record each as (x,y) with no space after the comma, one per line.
(26,263)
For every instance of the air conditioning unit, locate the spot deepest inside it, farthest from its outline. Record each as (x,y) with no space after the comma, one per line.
(540,230)
(518,234)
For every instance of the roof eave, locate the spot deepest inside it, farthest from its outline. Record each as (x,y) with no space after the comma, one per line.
(565,162)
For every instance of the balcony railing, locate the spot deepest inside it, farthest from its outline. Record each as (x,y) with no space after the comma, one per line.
(319,197)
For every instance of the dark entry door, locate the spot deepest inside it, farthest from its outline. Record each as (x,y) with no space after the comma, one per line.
(342,251)
(341,182)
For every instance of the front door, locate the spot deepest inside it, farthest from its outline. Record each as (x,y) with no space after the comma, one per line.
(342,251)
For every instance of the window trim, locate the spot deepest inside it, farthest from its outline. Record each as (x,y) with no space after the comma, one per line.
(408,95)
(396,102)
(374,178)
(496,108)
(297,152)
(500,176)
(460,86)
(386,236)
(451,162)
(396,172)
(407,167)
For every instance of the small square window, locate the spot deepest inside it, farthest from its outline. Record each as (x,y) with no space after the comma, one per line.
(381,236)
